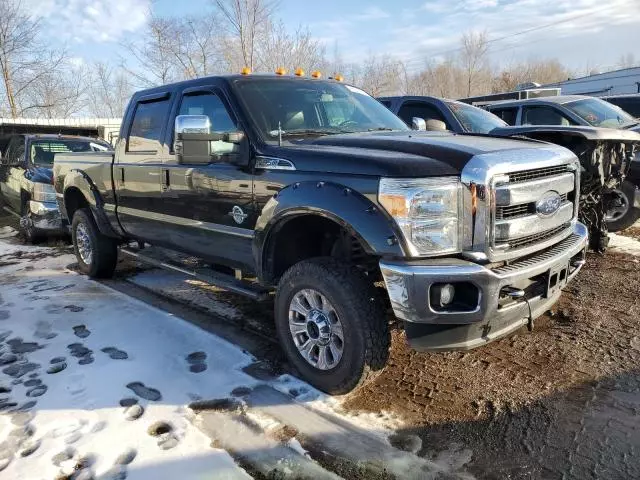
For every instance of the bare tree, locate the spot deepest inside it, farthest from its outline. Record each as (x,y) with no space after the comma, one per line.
(279,48)
(244,20)
(381,75)
(151,61)
(628,61)
(24,61)
(473,58)
(109,91)
(57,91)
(539,71)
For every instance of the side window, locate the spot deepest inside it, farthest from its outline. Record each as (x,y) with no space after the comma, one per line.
(211,105)
(507,114)
(408,110)
(543,115)
(146,128)
(386,103)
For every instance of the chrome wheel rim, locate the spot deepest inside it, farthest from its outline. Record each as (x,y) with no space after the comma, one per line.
(316,329)
(83,242)
(620,209)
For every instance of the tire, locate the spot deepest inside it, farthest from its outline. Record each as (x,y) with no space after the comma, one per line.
(365,332)
(628,216)
(103,257)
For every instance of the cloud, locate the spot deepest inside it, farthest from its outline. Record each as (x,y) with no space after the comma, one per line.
(372,13)
(91,20)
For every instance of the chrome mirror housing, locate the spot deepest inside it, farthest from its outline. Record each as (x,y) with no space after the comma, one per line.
(418,123)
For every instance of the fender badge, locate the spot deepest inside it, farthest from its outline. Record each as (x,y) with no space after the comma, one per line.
(238,215)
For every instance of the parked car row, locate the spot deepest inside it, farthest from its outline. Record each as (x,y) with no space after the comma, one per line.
(553,119)
(311,192)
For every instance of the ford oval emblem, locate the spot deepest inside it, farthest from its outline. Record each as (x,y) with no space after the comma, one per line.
(548,204)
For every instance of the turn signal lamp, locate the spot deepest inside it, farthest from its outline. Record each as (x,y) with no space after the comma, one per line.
(316,74)
(280,71)
(299,72)
(339,78)
(245,71)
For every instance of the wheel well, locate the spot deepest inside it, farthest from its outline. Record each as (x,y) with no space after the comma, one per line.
(310,236)
(73,200)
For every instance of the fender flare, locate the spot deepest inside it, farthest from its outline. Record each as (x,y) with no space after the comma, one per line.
(357,214)
(79,179)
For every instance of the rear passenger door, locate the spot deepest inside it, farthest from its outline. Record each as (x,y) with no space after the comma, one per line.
(210,206)
(136,175)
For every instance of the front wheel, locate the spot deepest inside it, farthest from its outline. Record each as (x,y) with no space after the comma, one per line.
(331,324)
(97,254)
(622,213)
(30,232)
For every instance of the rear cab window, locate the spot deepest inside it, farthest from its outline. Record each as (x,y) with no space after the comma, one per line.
(147,125)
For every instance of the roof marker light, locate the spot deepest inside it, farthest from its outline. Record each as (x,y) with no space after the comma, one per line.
(316,74)
(281,71)
(299,72)
(245,71)
(338,78)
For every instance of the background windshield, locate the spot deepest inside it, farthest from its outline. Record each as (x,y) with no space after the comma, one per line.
(474,119)
(43,151)
(600,113)
(310,106)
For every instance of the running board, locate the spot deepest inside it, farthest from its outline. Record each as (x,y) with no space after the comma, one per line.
(220,280)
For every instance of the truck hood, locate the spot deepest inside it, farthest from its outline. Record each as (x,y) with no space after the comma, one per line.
(395,154)
(39,174)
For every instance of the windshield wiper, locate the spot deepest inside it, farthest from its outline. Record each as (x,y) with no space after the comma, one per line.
(380,129)
(305,131)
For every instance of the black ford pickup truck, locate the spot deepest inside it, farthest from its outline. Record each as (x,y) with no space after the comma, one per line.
(314,191)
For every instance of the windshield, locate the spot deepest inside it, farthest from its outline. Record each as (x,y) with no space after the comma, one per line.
(295,107)
(43,151)
(474,119)
(600,113)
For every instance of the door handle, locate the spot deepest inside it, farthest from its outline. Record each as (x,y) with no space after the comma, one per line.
(166,180)
(122,175)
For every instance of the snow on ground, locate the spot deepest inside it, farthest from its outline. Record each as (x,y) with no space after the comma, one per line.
(45,309)
(622,244)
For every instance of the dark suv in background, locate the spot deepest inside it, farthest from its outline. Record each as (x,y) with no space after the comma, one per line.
(628,103)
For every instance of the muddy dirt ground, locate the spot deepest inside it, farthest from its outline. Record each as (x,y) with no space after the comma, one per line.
(560,402)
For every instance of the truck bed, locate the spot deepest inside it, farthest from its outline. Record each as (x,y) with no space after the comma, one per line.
(95,165)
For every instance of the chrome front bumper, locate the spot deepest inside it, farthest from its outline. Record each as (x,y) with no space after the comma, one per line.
(44,216)
(492,314)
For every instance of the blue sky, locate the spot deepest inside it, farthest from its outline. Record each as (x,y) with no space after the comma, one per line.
(585,33)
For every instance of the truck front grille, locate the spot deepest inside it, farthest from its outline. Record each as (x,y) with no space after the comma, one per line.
(518,219)
(537,173)
(538,237)
(515,211)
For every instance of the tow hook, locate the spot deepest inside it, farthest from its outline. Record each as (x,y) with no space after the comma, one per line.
(519,293)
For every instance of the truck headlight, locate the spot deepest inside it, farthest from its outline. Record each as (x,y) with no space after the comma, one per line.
(427,210)
(43,192)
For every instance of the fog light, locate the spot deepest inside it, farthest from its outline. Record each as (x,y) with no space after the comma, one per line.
(444,294)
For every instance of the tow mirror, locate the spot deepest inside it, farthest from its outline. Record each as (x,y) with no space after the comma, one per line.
(418,123)
(436,125)
(195,143)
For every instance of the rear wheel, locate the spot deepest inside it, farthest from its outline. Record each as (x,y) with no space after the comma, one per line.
(331,324)
(622,213)
(97,254)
